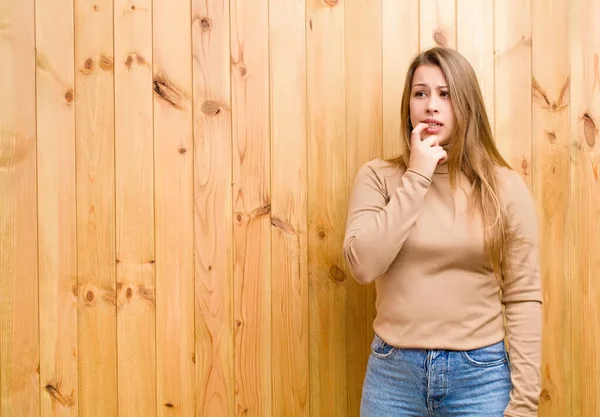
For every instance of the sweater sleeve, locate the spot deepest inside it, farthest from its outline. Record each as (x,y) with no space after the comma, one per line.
(376,229)
(522,298)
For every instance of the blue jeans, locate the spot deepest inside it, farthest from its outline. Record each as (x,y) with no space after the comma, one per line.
(436,383)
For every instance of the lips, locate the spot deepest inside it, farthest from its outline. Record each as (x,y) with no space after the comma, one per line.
(434,125)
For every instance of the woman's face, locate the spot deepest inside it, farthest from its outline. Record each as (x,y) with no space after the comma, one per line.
(430,103)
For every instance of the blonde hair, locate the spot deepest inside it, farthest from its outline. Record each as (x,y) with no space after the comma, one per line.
(472,149)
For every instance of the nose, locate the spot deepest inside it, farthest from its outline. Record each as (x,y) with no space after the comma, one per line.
(432,105)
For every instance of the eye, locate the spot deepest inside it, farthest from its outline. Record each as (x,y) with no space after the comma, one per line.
(420,93)
(445,94)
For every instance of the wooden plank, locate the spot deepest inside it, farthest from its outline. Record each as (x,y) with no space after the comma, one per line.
(327,205)
(550,128)
(289,223)
(19,326)
(400,44)
(213,209)
(475,40)
(94,127)
(252,207)
(57,213)
(364,118)
(174,211)
(512,108)
(437,23)
(135,208)
(584,367)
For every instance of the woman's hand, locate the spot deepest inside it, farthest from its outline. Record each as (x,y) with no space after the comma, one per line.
(425,154)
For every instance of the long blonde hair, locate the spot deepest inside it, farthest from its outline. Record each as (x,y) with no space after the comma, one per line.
(472,149)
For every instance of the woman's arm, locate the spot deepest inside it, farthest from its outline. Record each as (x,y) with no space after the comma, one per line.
(522,297)
(376,230)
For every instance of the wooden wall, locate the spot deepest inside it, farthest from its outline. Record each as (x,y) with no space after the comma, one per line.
(173,186)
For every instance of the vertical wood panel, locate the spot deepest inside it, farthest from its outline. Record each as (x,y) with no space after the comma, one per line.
(364,120)
(213,209)
(94,127)
(174,211)
(19,327)
(512,107)
(289,221)
(252,206)
(475,40)
(135,208)
(437,22)
(327,202)
(584,366)
(57,208)
(550,129)
(400,43)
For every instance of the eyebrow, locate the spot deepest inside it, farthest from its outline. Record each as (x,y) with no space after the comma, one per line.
(425,85)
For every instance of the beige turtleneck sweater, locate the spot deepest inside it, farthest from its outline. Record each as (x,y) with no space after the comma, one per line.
(435,286)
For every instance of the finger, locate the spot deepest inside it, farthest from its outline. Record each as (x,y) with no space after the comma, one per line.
(431,141)
(416,133)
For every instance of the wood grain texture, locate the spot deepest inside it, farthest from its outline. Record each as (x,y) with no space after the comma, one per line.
(19,322)
(213,222)
(364,119)
(512,65)
(177,174)
(134,146)
(57,216)
(327,202)
(95,165)
(289,254)
(584,209)
(550,135)
(475,41)
(252,207)
(437,23)
(174,208)
(399,45)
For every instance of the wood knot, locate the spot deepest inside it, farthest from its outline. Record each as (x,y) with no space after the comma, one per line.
(321,234)
(545,395)
(238,323)
(169,405)
(89,296)
(336,274)
(239,217)
(140,60)
(168,93)
(106,63)
(89,64)
(129,292)
(589,130)
(243,70)
(440,38)
(205,24)
(129,61)
(210,267)
(210,108)
(551,136)
(69,96)
(133,7)
(524,165)
(95,7)
(182,150)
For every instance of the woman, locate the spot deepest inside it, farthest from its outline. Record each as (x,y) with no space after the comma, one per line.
(448,233)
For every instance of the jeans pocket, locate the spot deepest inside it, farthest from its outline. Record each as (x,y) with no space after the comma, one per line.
(381,349)
(493,355)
